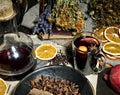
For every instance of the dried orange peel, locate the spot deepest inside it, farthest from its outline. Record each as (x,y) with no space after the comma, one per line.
(46,52)
(3,87)
(112,34)
(111,48)
(112,57)
(110,38)
(100,33)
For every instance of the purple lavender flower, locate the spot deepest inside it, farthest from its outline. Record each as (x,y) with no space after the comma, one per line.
(43,24)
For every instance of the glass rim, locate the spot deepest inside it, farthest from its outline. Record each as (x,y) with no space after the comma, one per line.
(84,34)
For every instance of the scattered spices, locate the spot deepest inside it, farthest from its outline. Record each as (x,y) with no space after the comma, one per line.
(105,12)
(60,59)
(54,86)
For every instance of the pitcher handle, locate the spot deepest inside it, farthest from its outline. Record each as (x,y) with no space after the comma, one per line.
(101,63)
(26,4)
(26,7)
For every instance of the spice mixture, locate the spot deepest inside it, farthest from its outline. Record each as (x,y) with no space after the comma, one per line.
(53,86)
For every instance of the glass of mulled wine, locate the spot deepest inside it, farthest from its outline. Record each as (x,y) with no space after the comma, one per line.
(86,53)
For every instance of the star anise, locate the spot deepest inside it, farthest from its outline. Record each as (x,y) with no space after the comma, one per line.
(93,49)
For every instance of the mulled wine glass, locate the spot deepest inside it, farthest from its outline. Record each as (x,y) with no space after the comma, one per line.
(86,53)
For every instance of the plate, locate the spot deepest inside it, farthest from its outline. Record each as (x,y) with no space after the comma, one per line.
(62,72)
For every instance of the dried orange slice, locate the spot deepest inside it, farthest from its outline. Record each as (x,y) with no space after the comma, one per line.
(100,33)
(111,57)
(46,52)
(102,44)
(3,87)
(112,34)
(111,48)
(107,65)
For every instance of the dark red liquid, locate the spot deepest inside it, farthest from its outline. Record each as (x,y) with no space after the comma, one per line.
(15,57)
(81,57)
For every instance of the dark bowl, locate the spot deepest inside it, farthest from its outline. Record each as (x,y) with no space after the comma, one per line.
(62,72)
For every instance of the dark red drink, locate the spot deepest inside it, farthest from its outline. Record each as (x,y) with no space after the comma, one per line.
(15,58)
(84,44)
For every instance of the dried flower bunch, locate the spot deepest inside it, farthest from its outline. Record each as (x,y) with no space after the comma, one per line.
(66,15)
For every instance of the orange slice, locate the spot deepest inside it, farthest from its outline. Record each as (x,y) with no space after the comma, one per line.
(111,57)
(100,33)
(111,48)
(107,65)
(3,87)
(112,34)
(82,48)
(46,52)
(102,44)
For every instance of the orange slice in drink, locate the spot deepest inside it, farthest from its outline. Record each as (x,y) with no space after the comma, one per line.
(112,34)
(46,52)
(3,87)
(99,33)
(82,48)
(111,48)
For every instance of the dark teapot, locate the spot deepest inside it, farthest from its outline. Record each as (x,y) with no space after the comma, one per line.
(16,47)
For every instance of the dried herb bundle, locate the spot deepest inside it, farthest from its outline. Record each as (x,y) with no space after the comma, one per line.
(66,14)
(105,12)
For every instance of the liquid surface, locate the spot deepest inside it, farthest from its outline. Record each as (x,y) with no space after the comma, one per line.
(15,58)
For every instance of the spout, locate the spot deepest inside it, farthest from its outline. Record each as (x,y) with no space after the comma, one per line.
(16,27)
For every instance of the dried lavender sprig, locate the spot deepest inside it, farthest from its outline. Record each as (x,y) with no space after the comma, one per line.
(42,24)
